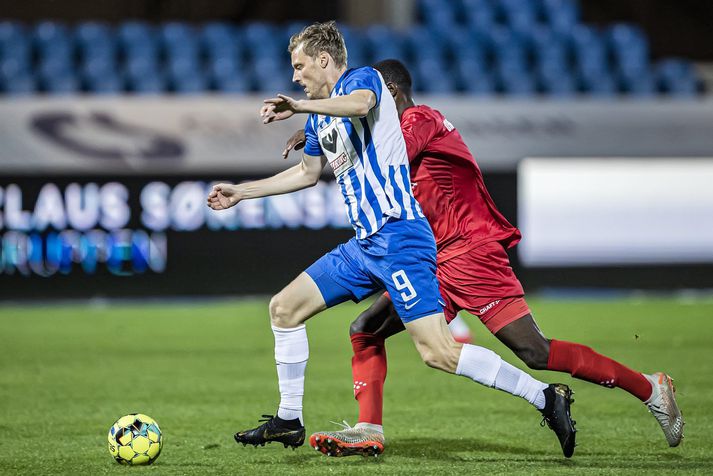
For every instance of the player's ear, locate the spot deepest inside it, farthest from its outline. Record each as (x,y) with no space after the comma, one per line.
(393,89)
(323,59)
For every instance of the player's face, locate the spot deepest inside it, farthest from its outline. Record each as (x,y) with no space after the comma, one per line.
(309,74)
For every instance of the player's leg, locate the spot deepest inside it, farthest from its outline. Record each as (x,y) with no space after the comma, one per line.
(329,281)
(367,334)
(526,340)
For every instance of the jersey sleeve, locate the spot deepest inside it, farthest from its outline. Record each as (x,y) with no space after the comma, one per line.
(364,78)
(418,129)
(312,146)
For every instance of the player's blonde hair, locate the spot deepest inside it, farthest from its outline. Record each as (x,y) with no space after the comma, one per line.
(320,37)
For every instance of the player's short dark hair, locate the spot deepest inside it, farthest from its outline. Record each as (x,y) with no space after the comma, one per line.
(320,37)
(394,71)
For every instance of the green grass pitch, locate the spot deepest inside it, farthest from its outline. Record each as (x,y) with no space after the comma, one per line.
(205,370)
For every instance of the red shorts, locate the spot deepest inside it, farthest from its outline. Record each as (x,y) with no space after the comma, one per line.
(482,282)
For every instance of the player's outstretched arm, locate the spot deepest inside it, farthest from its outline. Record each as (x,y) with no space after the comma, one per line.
(296,142)
(356,104)
(303,175)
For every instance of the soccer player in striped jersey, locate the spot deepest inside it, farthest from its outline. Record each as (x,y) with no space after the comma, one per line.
(475,275)
(353,124)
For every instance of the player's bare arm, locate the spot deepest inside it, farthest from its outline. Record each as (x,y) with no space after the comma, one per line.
(296,142)
(303,175)
(356,104)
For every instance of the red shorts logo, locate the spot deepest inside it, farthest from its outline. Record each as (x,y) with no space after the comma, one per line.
(487,308)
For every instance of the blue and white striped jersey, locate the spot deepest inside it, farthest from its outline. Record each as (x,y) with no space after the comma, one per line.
(367,154)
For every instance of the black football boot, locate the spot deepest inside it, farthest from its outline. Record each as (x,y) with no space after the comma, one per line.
(288,432)
(558,398)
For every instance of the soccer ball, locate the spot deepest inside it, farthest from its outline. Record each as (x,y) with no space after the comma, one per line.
(135,439)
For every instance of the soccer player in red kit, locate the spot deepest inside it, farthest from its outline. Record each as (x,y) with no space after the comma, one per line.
(475,275)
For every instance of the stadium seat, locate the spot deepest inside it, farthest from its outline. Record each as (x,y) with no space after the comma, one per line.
(520,85)
(194,83)
(104,84)
(11,30)
(600,86)
(153,84)
(232,84)
(642,85)
(61,84)
(561,15)
(19,85)
(440,79)
(479,14)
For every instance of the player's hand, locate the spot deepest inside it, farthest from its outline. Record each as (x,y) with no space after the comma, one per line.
(223,196)
(277,109)
(296,142)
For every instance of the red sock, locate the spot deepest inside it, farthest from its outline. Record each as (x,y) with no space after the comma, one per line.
(369,371)
(583,363)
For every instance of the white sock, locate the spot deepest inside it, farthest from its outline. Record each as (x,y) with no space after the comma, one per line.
(291,354)
(487,368)
(513,380)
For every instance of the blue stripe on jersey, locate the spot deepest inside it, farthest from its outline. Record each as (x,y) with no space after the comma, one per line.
(371,153)
(407,185)
(397,189)
(343,187)
(356,142)
(356,186)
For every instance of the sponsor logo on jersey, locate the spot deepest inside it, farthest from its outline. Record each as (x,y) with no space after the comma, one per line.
(485,309)
(340,164)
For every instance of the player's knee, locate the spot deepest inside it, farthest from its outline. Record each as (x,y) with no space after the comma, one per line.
(359,324)
(281,313)
(443,358)
(535,357)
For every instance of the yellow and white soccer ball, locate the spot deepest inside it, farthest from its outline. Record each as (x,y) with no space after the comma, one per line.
(135,439)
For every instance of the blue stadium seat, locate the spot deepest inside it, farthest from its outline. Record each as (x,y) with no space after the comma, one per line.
(473,76)
(18,49)
(104,84)
(600,86)
(61,84)
(383,42)
(235,84)
(421,43)
(175,32)
(682,88)
(227,67)
(521,85)
(437,15)
(438,79)
(482,85)
(182,66)
(148,85)
(19,85)
(98,67)
(564,87)
(135,31)
(11,30)
(263,39)
(11,67)
(479,14)
(54,66)
(194,83)
(640,86)
(47,32)
(561,15)
(141,67)
(99,50)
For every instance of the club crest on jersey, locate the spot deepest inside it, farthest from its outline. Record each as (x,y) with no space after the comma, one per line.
(329,141)
(335,151)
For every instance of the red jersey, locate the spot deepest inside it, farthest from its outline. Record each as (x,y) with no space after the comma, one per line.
(448,184)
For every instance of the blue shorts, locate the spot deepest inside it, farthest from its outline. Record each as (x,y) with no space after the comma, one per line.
(400,257)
